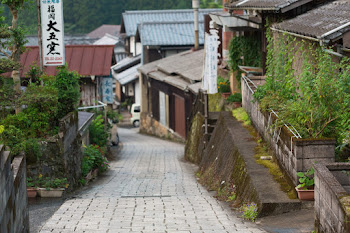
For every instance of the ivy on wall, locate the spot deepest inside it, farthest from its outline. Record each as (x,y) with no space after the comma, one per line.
(244,51)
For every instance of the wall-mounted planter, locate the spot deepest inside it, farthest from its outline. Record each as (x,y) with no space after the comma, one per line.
(32,192)
(43,192)
(305,195)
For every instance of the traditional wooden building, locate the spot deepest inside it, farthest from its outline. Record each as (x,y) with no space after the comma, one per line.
(91,62)
(168,88)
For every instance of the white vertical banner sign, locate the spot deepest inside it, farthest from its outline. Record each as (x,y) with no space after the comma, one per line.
(211,61)
(206,63)
(52,28)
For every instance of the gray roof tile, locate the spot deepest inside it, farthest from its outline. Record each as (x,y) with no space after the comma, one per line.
(320,21)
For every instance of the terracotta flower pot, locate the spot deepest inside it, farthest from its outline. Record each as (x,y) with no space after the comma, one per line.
(305,195)
(225,95)
(43,192)
(237,104)
(32,192)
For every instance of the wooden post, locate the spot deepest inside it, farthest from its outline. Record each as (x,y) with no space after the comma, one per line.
(39,39)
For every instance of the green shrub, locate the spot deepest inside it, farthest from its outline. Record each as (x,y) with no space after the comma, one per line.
(98,134)
(237,97)
(67,84)
(94,157)
(223,85)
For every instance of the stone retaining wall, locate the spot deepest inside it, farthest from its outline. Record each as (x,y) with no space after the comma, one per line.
(148,125)
(14,216)
(295,155)
(332,198)
(61,155)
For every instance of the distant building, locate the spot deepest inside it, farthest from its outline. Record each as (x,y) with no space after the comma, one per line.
(169,87)
(91,62)
(167,32)
(113,30)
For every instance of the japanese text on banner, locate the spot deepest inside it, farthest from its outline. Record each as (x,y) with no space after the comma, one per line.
(52,32)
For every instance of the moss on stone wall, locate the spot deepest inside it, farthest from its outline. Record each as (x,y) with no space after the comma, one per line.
(193,140)
(216,103)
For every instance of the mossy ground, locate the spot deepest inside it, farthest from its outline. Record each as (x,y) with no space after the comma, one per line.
(262,150)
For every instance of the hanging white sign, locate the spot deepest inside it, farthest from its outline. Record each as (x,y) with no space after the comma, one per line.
(52,28)
(209,82)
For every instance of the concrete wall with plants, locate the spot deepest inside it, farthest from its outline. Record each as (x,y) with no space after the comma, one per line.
(61,155)
(293,153)
(14,216)
(332,198)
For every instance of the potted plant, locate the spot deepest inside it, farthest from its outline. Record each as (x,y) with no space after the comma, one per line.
(306,187)
(31,188)
(236,99)
(52,187)
(224,87)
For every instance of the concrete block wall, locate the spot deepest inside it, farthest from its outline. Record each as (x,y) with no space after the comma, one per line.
(294,155)
(332,198)
(14,216)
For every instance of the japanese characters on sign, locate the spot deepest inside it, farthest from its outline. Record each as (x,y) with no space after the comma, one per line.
(52,32)
(209,82)
(107,90)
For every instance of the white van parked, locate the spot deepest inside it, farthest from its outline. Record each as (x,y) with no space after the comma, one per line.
(135,115)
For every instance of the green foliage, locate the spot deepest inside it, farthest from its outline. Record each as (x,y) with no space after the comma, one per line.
(67,84)
(94,157)
(51,183)
(244,51)
(316,100)
(30,182)
(241,115)
(223,85)
(250,211)
(237,97)
(306,179)
(98,134)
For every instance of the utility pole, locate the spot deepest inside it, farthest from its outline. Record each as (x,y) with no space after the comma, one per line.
(195,5)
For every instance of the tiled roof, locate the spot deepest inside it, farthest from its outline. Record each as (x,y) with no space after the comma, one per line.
(107,39)
(87,60)
(181,70)
(102,30)
(170,33)
(128,75)
(273,5)
(131,19)
(330,20)
(126,63)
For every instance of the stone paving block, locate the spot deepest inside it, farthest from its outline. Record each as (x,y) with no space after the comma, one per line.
(149,189)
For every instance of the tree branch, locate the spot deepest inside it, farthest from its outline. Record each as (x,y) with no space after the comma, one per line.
(325,125)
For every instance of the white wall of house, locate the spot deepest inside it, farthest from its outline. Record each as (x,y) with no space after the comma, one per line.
(132,45)
(135,47)
(138,48)
(137,92)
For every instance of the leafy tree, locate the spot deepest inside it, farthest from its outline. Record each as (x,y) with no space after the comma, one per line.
(15,40)
(67,84)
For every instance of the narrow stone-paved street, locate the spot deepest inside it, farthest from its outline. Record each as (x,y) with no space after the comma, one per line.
(150,188)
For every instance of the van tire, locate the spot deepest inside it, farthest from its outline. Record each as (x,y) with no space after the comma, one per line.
(136,123)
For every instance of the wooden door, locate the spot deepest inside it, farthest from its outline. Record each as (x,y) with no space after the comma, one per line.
(180,120)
